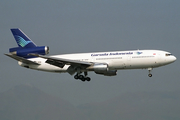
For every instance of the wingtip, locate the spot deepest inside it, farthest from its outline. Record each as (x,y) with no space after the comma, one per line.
(7,54)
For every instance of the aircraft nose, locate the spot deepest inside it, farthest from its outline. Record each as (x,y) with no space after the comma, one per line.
(174,58)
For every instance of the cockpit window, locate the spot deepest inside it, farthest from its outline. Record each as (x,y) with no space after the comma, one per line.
(168,54)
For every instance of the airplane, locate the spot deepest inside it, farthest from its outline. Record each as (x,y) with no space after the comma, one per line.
(29,55)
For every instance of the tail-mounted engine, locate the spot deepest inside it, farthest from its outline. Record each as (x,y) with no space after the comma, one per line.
(23,52)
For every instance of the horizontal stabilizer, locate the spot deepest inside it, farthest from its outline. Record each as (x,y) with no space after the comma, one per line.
(22,59)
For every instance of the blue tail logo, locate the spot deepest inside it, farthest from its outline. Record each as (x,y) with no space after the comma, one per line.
(20,41)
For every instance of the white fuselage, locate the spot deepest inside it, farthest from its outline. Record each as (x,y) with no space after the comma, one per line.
(116,60)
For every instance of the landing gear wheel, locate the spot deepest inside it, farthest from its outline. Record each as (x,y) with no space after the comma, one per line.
(88,78)
(76,77)
(81,77)
(150,75)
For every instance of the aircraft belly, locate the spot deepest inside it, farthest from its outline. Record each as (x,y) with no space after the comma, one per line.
(116,64)
(143,63)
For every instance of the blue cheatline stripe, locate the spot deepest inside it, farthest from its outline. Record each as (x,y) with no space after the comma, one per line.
(21,42)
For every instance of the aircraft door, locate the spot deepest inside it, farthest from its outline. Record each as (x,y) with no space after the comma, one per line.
(128,61)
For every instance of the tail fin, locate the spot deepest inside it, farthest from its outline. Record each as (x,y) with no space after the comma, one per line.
(22,39)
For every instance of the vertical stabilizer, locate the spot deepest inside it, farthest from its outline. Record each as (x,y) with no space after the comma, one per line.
(22,39)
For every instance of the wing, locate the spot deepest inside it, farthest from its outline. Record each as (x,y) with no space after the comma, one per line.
(22,59)
(60,62)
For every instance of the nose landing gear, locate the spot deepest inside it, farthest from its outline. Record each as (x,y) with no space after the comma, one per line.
(150,69)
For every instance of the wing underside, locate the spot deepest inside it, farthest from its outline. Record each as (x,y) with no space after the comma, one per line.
(21,59)
(61,62)
(58,62)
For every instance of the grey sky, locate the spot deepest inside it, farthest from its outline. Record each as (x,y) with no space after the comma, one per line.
(69,26)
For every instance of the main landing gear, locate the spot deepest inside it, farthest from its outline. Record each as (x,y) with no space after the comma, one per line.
(81,77)
(150,69)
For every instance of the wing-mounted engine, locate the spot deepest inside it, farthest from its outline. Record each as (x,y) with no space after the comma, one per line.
(102,69)
(23,52)
(108,73)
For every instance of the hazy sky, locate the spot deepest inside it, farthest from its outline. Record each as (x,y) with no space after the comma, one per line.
(73,26)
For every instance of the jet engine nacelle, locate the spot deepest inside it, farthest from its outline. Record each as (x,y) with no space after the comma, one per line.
(23,52)
(103,70)
(108,73)
(100,68)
